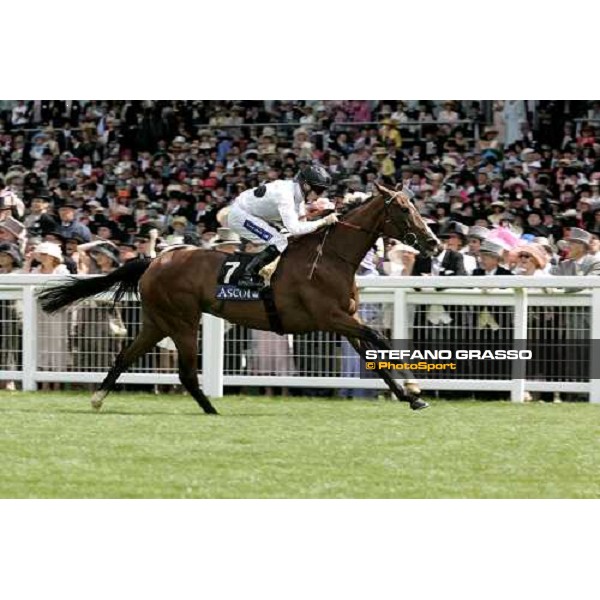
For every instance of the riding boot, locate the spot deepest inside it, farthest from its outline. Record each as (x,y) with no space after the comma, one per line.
(250,278)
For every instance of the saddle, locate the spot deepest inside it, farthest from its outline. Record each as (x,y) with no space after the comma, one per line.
(233,267)
(228,290)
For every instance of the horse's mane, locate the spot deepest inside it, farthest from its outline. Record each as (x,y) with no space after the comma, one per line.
(350,207)
(344,212)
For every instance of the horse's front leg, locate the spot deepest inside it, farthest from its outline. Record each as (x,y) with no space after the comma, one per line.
(411,391)
(362,338)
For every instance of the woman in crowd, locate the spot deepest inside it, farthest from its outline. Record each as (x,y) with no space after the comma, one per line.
(52,346)
(532,260)
(543,322)
(11,316)
(97,327)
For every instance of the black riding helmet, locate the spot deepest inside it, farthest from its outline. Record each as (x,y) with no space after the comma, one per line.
(315,176)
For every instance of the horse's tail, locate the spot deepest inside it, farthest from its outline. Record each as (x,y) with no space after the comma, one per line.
(121,281)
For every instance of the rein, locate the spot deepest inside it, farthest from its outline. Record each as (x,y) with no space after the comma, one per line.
(410,237)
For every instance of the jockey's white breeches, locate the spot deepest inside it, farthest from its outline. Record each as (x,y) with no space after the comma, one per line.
(255,229)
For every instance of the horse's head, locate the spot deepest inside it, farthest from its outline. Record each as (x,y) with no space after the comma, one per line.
(403,222)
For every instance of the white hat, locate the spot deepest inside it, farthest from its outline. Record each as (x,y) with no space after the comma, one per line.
(394,253)
(352,197)
(225,236)
(223,215)
(49,248)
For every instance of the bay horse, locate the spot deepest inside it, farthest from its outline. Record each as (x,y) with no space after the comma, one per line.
(313,288)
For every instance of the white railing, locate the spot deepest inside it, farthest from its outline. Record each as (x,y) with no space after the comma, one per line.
(76,350)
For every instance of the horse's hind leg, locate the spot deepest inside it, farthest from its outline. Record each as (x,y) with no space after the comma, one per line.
(145,340)
(187,346)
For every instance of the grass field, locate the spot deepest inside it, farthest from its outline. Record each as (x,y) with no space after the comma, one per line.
(144,446)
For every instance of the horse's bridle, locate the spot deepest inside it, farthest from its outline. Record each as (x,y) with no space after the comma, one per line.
(388,218)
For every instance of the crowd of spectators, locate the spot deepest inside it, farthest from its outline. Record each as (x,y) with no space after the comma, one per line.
(511,186)
(112,172)
(118,173)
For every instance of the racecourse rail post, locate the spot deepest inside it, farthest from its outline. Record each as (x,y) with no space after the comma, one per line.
(213,335)
(595,350)
(399,323)
(517,393)
(29,338)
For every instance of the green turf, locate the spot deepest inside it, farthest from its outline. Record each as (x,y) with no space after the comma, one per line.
(143,446)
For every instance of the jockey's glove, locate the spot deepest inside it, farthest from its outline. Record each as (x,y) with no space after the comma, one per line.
(328,220)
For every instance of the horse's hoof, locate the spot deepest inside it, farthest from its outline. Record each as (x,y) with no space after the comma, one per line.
(98,400)
(418,404)
(412,388)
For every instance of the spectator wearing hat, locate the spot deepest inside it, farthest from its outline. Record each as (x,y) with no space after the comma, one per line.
(127,249)
(577,324)
(72,252)
(11,261)
(50,260)
(38,217)
(146,240)
(98,257)
(56,237)
(448,262)
(493,324)
(105,257)
(401,260)
(544,323)
(99,327)
(12,231)
(533,260)
(490,257)
(69,224)
(8,208)
(454,236)
(227,241)
(180,225)
(52,330)
(475,236)
(578,261)
(490,139)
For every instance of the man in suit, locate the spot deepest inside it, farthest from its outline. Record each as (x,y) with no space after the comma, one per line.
(475,236)
(493,325)
(436,323)
(490,255)
(579,261)
(577,324)
(70,224)
(447,262)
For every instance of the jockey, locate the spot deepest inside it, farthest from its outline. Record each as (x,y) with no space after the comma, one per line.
(280,202)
